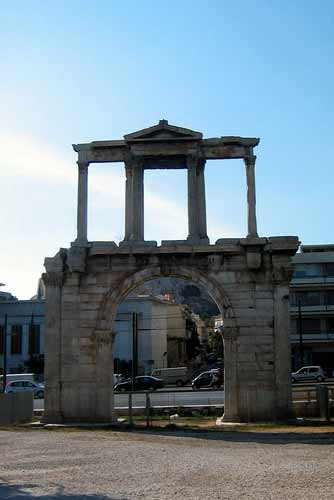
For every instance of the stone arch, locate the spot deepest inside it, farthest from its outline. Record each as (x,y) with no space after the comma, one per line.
(117,293)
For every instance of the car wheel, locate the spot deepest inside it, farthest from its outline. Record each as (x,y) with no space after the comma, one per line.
(293,380)
(122,389)
(179,383)
(151,388)
(40,395)
(215,386)
(320,379)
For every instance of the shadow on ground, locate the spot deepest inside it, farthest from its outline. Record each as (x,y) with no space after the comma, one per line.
(242,435)
(10,491)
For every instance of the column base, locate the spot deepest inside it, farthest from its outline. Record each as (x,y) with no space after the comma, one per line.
(79,243)
(225,419)
(52,418)
(173,243)
(198,240)
(137,243)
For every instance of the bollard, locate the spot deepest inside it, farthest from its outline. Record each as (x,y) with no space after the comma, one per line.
(323,401)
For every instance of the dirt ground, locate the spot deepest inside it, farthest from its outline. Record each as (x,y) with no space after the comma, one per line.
(251,462)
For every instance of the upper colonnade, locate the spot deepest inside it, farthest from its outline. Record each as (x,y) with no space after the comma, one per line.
(164,146)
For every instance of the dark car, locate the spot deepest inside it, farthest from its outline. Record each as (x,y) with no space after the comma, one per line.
(142,383)
(212,379)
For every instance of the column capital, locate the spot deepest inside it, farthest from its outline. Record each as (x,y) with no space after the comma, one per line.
(138,162)
(192,160)
(53,278)
(83,166)
(250,160)
(196,162)
(131,160)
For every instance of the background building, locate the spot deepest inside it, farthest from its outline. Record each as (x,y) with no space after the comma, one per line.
(164,332)
(167,332)
(313,287)
(25,333)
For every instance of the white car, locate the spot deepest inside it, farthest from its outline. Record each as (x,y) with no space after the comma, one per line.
(25,385)
(308,373)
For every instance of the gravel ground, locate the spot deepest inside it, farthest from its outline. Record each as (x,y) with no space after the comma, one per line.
(93,465)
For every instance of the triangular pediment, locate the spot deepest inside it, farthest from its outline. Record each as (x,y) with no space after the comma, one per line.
(163,132)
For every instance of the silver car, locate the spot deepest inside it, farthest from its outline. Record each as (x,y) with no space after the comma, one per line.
(25,385)
(308,373)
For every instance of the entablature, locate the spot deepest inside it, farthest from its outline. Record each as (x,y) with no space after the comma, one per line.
(168,141)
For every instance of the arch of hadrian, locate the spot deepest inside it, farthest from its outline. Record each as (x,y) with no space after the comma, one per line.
(247,277)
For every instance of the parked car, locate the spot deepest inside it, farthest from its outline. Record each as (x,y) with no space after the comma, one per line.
(117,378)
(141,383)
(212,379)
(172,376)
(25,385)
(308,373)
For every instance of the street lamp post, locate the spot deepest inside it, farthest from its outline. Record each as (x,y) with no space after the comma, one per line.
(300,331)
(4,378)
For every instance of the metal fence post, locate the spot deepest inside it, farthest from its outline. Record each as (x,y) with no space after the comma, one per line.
(130,410)
(148,410)
(4,355)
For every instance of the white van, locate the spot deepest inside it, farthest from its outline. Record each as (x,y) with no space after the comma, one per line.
(13,377)
(172,376)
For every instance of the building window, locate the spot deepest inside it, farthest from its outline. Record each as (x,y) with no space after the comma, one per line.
(330,270)
(34,339)
(330,325)
(307,298)
(2,338)
(308,271)
(330,297)
(16,339)
(309,326)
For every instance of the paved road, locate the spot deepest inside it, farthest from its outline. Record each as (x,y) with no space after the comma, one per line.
(184,396)
(163,398)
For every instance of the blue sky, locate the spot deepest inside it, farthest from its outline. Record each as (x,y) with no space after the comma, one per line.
(76,71)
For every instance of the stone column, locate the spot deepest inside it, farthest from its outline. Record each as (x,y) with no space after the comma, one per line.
(138,201)
(134,201)
(201,200)
(53,347)
(231,389)
(251,195)
(128,202)
(196,201)
(82,203)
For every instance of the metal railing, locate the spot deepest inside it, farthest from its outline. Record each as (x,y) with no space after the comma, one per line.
(166,403)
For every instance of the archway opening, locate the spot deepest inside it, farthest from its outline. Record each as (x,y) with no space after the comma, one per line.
(166,323)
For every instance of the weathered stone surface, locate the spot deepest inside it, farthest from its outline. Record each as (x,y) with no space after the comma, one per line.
(79,334)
